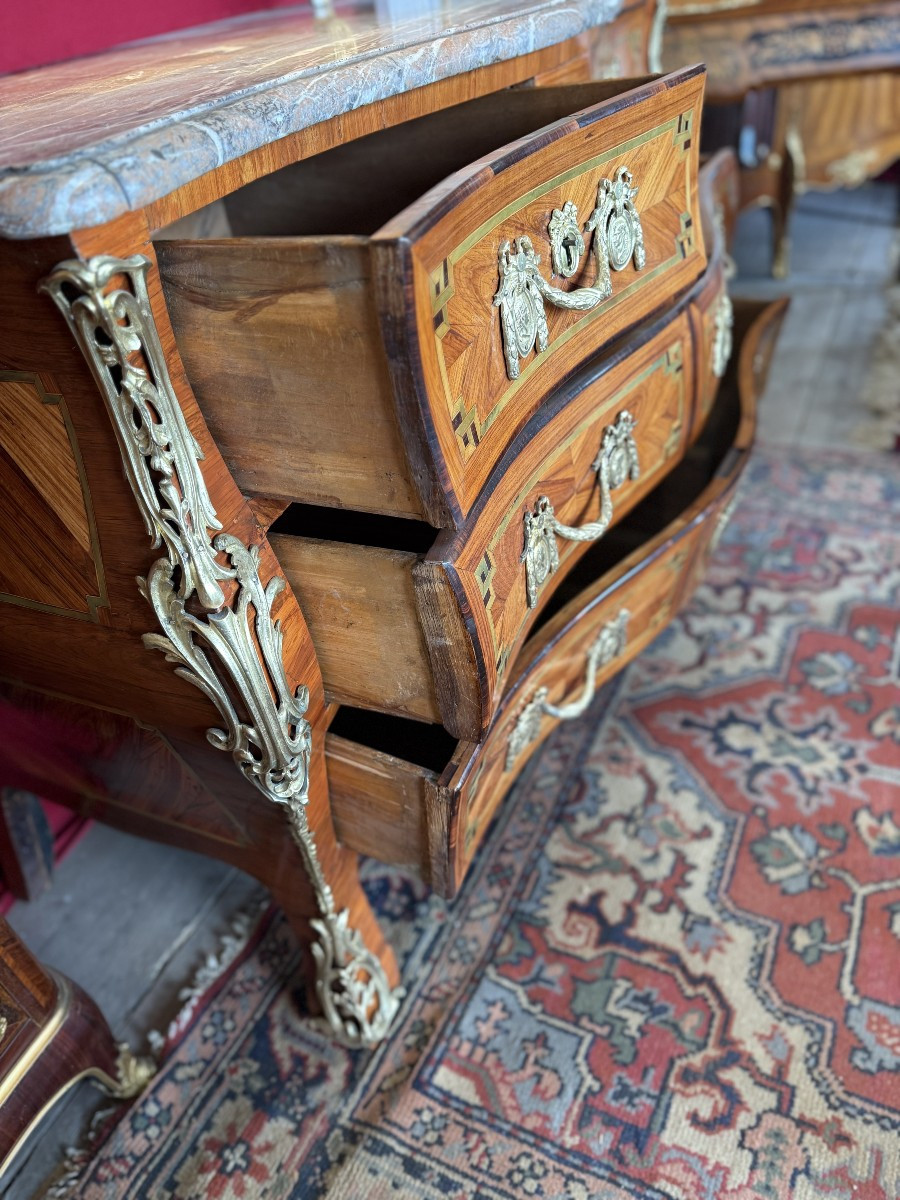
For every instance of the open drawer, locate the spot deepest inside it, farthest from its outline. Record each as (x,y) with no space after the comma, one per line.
(407,794)
(435,634)
(349,357)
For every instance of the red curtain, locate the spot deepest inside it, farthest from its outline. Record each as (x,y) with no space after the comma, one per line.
(36,32)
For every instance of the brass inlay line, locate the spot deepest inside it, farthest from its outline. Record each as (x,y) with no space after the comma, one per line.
(36,1048)
(573,172)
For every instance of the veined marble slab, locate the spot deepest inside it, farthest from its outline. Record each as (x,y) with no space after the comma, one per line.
(84,141)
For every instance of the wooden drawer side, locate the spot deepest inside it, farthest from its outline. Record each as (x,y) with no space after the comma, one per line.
(360,606)
(281,343)
(379,804)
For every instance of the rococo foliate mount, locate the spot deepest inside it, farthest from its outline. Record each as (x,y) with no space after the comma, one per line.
(617,237)
(213,611)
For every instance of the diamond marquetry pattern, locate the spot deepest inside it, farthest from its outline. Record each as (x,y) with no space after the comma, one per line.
(50,560)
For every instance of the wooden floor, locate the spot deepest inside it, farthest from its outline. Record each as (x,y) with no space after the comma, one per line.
(132,921)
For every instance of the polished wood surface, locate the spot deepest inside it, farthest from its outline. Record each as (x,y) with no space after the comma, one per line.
(434,636)
(103,663)
(449,808)
(438,259)
(360,604)
(482,566)
(281,343)
(808,93)
(128,736)
(442,650)
(383,803)
(51,1035)
(811,134)
(842,131)
(650,584)
(625,47)
(83,142)
(719,202)
(108,664)
(52,562)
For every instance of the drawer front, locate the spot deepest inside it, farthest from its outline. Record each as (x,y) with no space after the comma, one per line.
(504,279)
(720,201)
(603,450)
(604,637)
(596,634)
(712,312)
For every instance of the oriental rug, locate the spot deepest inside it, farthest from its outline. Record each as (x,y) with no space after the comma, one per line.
(674,971)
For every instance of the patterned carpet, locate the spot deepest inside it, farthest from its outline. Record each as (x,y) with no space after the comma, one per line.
(675,969)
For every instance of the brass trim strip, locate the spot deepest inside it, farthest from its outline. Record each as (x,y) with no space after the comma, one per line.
(39,1044)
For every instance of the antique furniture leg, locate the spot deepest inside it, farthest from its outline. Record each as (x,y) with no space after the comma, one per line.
(26,843)
(216,606)
(783,207)
(51,1035)
(215,612)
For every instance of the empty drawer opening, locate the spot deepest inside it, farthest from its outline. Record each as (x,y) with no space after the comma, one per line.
(357,187)
(428,746)
(355,528)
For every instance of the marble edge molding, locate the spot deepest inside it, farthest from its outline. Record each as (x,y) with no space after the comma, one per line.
(96,184)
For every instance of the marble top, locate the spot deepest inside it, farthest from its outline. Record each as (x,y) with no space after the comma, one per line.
(84,141)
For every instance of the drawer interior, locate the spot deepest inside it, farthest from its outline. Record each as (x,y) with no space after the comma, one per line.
(357,187)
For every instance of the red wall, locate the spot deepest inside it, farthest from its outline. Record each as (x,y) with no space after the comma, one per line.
(35,32)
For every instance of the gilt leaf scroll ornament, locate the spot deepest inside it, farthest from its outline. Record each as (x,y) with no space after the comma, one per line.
(618,238)
(521,297)
(617,229)
(230,649)
(616,461)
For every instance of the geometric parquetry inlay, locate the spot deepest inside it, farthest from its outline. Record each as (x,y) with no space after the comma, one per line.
(51,559)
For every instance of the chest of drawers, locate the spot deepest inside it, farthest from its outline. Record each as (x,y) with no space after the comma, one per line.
(419,406)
